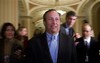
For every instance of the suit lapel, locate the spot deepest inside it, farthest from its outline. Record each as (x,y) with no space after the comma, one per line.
(71,31)
(61,49)
(45,48)
(91,42)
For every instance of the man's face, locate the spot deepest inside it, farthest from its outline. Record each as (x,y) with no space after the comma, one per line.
(86,31)
(52,22)
(71,20)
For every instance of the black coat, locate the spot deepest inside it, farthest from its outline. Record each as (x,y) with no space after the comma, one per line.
(38,50)
(92,52)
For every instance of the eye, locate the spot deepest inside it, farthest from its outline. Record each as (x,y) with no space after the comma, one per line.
(49,18)
(85,31)
(56,19)
(7,30)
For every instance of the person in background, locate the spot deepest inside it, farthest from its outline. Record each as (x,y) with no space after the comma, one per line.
(92,32)
(38,31)
(87,47)
(52,46)
(70,21)
(98,48)
(22,36)
(10,48)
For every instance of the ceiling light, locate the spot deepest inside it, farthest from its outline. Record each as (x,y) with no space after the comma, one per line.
(61,12)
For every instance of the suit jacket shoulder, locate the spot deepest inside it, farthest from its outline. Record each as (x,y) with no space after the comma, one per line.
(38,50)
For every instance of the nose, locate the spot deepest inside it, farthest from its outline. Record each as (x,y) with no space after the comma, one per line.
(54,21)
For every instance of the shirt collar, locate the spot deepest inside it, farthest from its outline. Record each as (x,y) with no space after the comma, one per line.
(87,39)
(50,35)
(67,25)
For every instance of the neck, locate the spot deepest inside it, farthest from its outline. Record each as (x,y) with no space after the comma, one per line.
(52,33)
(86,37)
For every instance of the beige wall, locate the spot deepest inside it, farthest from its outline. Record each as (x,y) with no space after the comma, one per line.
(9,12)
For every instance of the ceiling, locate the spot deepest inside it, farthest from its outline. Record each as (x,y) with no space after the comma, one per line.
(36,8)
(55,2)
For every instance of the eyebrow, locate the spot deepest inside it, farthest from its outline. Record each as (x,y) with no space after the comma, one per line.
(86,30)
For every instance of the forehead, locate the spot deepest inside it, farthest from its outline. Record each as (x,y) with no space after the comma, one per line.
(87,27)
(9,27)
(73,17)
(52,13)
(23,29)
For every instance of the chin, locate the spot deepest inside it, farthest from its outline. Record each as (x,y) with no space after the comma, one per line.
(54,32)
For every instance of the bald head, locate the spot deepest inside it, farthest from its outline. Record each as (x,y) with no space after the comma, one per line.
(86,30)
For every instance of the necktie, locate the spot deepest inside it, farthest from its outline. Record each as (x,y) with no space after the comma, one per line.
(87,45)
(70,32)
(87,49)
(53,49)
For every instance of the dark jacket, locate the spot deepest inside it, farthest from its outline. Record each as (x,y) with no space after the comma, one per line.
(92,51)
(38,50)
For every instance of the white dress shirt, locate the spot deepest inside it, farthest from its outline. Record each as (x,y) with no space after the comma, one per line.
(88,39)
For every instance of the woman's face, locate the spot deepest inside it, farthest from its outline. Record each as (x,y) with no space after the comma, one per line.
(23,32)
(9,33)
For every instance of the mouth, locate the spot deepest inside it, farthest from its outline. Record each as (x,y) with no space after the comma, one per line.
(10,35)
(53,27)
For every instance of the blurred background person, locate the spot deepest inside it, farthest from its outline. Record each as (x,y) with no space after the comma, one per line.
(38,31)
(92,31)
(10,48)
(98,48)
(70,21)
(87,47)
(22,36)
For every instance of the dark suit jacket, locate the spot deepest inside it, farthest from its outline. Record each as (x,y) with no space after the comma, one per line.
(92,52)
(71,30)
(38,50)
(98,50)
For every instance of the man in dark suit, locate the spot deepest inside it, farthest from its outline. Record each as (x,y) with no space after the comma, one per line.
(98,48)
(70,20)
(86,48)
(45,49)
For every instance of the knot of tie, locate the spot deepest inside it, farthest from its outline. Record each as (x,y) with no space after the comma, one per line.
(85,42)
(52,38)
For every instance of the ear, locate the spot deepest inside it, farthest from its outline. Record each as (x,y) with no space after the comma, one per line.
(92,33)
